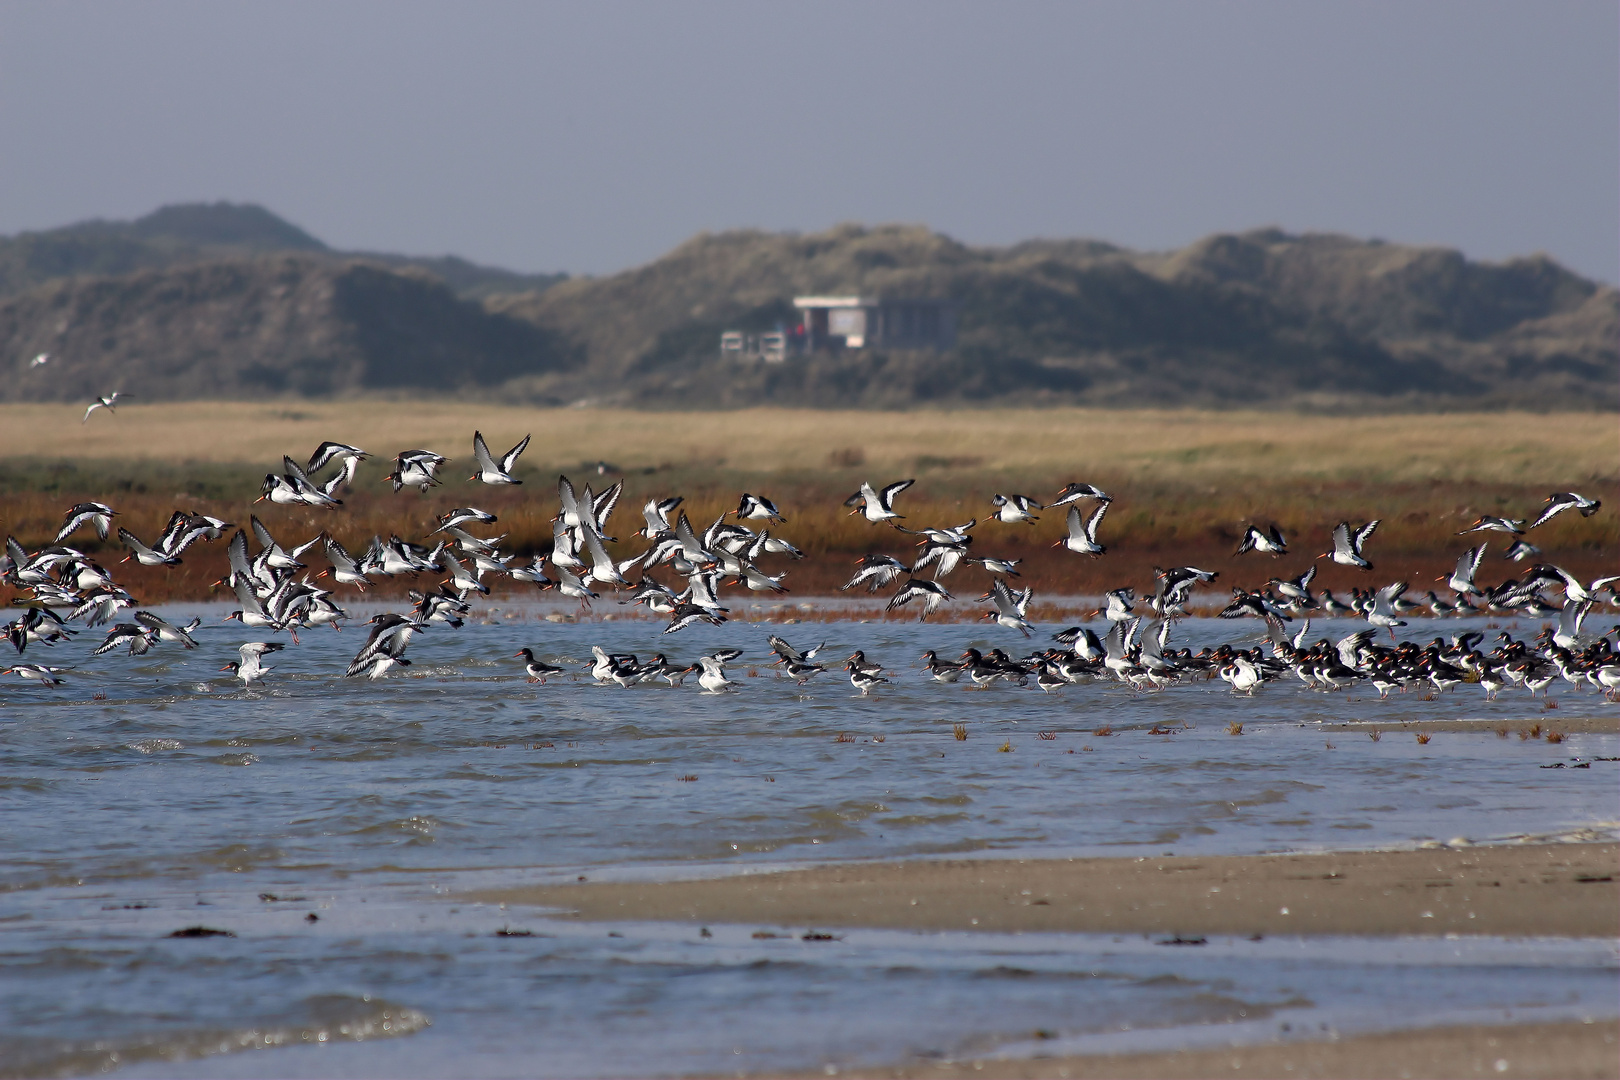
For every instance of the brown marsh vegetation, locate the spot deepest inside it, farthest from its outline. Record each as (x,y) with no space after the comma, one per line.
(1185,483)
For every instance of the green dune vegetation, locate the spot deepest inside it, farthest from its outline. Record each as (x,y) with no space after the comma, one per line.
(221,301)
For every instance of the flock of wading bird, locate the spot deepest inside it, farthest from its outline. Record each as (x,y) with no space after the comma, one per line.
(278,593)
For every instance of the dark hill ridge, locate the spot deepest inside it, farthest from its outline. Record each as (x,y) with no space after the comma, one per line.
(1233,319)
(279,324)
(204,232)
(226,300)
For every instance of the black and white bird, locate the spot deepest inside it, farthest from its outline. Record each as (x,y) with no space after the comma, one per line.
(1347,544)
(1574,588)
(656,513)
(1011,609)
(945,671)
(1520,550)
(1461,579)
(713,675)
(489,470)
(538,671)
(186,528)
(943,557)
(416,468)
(802,671)
(1082,538)
(1559,501)
(1118,604)
(1011,509)
(955,534)
(45,676)
(250,667)
(862,678)
(162,629)
(293,487)
(137,638)
(1492,523)
(931,593)
(347,457)
(1298,588)
(858,658)
(144,555)
(787,654)
(1382,613)
(1074,492)
(108,402)
(461,515)
(346,568)
(1270,542)
(390,634)
(1082,641)
(757,506)
(685,614)
(878,506)
(875,571)
(87,513)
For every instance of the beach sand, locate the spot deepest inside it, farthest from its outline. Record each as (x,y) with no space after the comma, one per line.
(1511,890)
(1566,1051)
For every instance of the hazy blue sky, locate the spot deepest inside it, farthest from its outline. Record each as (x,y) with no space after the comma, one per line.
(591,137)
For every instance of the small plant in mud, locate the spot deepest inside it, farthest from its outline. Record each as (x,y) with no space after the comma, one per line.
(1234,728)
(1104,731)
(880,738)
(1423,740)
(1005,748)
(843,737)
(1375,735)
(1554,737)
(1046,736)
(960,731)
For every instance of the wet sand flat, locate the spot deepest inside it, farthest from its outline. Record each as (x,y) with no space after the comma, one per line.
(1570,1051)
(1526,725)
(1519,890)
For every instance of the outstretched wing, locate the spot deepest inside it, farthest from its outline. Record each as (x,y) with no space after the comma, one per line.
(894,489)
(509,458)
(260,533)
(1556,504)
(604,504)
(1366,531)
(237,549)
(1096,519)
(481,456)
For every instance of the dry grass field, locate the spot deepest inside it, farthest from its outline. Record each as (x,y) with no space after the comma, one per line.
(1185,482)
(1186,446)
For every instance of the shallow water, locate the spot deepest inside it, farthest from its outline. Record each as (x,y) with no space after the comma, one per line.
(148,794)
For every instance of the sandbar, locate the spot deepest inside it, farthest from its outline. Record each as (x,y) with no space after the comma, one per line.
(1557,1051)
(1558,889)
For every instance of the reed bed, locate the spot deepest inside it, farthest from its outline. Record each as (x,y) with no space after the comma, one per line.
(1217,448)
(1185,484)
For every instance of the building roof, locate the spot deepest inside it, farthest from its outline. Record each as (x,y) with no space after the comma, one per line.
(835,301)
